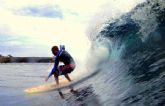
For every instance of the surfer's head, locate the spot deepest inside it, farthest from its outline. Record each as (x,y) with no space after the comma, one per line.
(55,50)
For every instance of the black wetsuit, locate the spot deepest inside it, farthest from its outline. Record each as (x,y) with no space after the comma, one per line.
(69,63)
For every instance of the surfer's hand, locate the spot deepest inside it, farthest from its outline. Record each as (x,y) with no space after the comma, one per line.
(46,79)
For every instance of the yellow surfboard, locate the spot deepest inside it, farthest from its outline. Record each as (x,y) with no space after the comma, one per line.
(47,87)
(63,83)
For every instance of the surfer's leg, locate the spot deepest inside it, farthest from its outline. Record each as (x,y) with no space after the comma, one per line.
(67,77)
(56,79)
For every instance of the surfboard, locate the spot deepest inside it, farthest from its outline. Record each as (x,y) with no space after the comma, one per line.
(63,84)
(47,87)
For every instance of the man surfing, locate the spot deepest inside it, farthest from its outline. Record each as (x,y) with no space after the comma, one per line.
(61,56)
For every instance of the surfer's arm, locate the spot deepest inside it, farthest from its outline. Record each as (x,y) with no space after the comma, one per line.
(53,69)
(56,62)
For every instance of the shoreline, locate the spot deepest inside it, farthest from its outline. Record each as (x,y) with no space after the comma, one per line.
(7,59)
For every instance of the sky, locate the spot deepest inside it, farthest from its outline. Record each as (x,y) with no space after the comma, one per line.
(31,28)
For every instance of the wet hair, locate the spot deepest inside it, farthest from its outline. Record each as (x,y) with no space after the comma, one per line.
(55,48)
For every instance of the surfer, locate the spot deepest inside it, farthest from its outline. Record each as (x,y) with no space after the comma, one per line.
(69,64)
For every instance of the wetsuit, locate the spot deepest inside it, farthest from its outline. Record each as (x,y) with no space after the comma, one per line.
(68,61)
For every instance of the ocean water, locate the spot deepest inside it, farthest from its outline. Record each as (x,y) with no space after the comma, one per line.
(15,77)
(128,54)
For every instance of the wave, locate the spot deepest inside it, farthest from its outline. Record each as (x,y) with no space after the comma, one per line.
(133,58)
(140,28)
